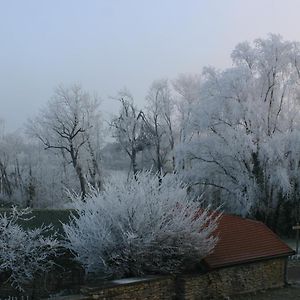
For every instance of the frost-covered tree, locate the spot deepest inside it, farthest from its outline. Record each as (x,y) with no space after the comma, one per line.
(24,254)
(15,169)
(129,129)
(159,121)
(187,92)
(139,227)
(66,125)
(244,130)
(9,147)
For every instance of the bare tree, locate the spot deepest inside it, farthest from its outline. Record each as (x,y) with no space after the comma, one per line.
(129,129)
(12,148)
(65,125)
(187,92)
(159,122)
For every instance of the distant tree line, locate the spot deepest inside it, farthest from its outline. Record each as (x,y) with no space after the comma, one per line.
(232,135)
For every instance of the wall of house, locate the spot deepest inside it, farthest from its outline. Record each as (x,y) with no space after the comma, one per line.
(212,285)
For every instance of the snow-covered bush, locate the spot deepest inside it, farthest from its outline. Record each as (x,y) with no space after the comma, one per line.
(24,253)
(140,226)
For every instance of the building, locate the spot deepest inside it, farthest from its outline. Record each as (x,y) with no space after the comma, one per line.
(248,257)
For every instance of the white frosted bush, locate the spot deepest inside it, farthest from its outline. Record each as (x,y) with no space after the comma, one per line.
(140,226)
(24,253)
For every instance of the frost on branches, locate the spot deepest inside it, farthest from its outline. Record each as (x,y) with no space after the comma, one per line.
(244,129)
(140,227)
(24,253)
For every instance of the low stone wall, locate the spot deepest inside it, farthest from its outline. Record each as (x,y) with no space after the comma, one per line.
(234,280)
(216,284)
(152,288)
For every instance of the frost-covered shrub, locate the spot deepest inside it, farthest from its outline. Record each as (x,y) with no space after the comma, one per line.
(24,253)
(140,226)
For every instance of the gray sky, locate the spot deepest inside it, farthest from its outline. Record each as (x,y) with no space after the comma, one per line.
(107,45)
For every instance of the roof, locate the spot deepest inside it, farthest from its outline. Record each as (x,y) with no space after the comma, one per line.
(244,240)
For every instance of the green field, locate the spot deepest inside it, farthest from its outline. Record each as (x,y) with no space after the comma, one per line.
(41,217)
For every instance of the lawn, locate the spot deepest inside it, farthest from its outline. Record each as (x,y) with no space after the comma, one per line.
(41,217)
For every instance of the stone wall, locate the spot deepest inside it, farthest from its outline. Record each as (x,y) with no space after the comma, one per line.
(216,284)
(149,288)
(234,280)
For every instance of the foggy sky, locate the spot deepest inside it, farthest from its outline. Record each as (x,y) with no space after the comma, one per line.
(108,45)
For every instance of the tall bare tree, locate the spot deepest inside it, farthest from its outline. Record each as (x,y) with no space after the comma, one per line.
(65,125)
(129,129)
(158,119)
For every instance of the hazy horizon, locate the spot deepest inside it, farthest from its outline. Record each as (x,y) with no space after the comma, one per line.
(108,45)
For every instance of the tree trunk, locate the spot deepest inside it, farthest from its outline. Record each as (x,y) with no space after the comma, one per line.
(97,183)
(78,170)
(6,185)
(81,180)
(133,163)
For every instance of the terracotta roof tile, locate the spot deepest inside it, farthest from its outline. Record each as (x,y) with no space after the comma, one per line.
(244,240)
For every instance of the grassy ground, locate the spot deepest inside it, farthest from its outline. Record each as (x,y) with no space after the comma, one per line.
(45,217)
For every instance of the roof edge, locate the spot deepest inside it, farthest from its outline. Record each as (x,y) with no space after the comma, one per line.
(257,259)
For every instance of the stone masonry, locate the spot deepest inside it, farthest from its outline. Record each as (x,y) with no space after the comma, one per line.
(216,284)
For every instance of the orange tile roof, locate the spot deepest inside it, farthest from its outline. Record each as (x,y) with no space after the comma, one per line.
(244,240)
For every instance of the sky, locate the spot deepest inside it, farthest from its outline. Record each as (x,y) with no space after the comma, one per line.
(108,45)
